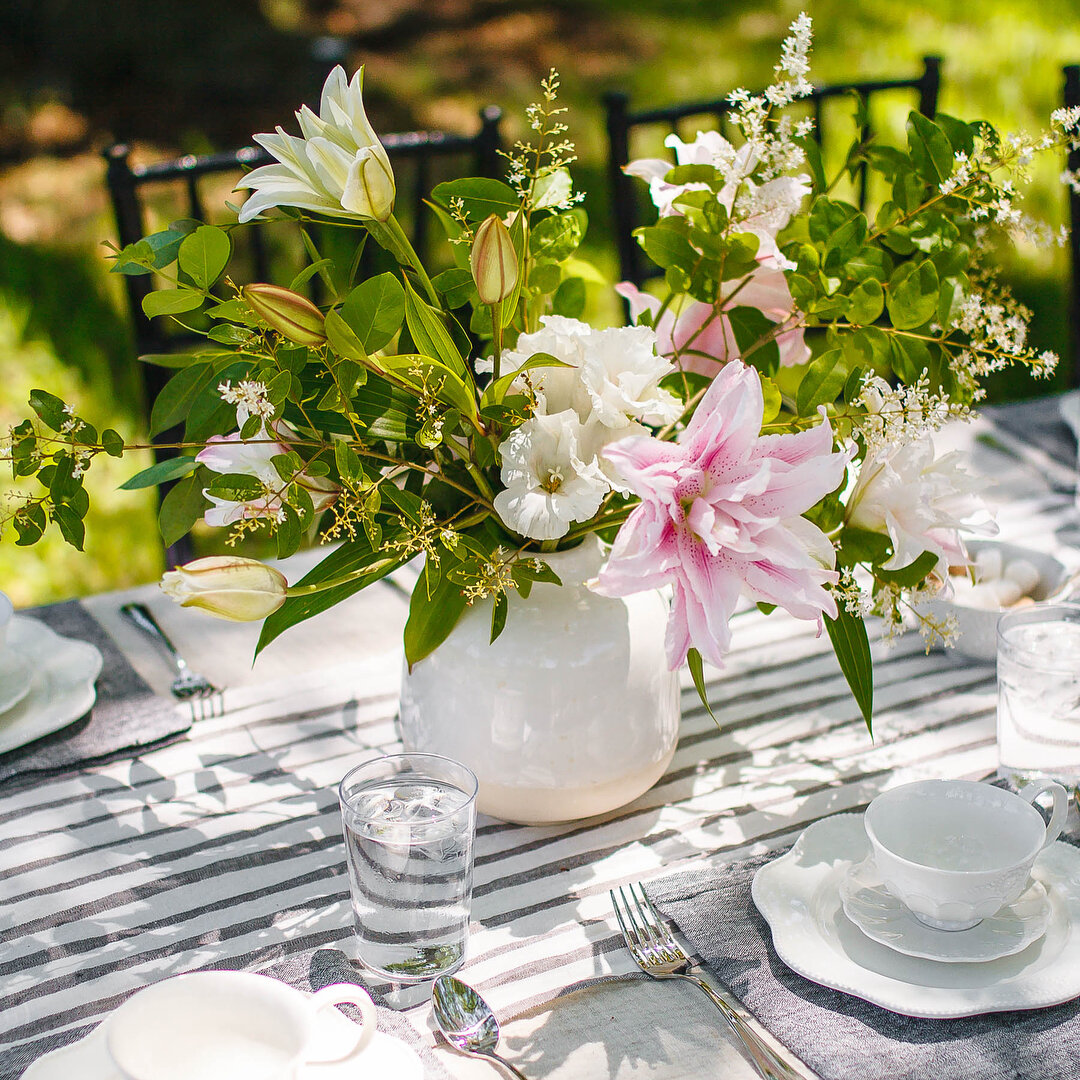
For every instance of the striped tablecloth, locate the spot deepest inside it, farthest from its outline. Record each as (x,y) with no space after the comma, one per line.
(225,850)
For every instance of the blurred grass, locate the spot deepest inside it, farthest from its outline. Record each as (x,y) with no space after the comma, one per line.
(62,320)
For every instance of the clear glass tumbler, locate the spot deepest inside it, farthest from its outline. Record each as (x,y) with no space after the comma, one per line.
(1038,670)
(409,822)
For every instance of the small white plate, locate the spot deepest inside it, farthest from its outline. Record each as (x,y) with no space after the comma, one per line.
(386,1057)
(62,685)
(799,896)
(882,917)
(16,675)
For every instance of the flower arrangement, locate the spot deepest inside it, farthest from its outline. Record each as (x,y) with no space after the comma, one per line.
(764,430)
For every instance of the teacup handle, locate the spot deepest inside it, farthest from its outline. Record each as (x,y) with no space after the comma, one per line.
(1031,791)
(347,994)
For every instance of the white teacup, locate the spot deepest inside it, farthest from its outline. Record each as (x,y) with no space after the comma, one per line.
(956,851)
(7,610)
(228,1025)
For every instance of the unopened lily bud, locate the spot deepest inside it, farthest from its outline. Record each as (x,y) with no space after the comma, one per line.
(493,261)
(290,314)
(227,586)
(369,188)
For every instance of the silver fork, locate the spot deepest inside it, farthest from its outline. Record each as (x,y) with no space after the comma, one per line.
(203,697)
(658,954)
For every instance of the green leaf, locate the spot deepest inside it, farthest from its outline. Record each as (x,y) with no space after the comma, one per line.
(180,509)
(309,272)
(666,244)
(481,196)
(498,616)
(49,408)
(355,556)
(827,217)
(751,326)
(447,385)
(177,396)
(160,472)
(822,383)
(844,243)
(342,339)
(930,148)
(30,523)
(852,647)
(429,333)
(289,533)
(171,302)
(431,619)
(569,298)
(455,285)
(71,525)
(375,311)
(204,254)
(496,391)
(697,673)
(557,237)
(773,399)
(236,487)
(867,302)
(912,296)
(911,575)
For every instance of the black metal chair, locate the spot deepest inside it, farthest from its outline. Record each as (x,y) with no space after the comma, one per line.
(630,206)
(1072,100)
(421,159)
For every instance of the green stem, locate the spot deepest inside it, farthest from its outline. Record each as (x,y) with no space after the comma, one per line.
(322,586)
(402,248)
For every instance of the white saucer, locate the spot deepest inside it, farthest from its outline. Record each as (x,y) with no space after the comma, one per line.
(799,896)
(882,917)
(16,676)
(385,1057)
(62,683)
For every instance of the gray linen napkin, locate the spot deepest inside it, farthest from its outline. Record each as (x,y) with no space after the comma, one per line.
(843,1037)
(126,717)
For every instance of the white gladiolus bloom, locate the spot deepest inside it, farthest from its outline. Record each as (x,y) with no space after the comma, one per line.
(548,485)
(339,167)
(922,503)
(614,375)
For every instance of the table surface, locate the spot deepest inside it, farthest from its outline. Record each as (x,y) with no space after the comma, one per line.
(224,849)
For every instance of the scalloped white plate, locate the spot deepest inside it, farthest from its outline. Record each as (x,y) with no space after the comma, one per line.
(62,685)
(882,917)
(386,1057)
(799,896)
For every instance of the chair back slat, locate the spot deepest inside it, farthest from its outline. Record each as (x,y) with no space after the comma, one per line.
(630,206)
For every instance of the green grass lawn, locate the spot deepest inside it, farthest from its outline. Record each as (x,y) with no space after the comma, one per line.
(62,323)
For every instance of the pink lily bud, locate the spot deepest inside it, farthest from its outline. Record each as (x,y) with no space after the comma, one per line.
(493,261)
(227,586)
(290,314)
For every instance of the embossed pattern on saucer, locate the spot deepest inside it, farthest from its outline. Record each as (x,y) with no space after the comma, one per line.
(16,677)
(882,917)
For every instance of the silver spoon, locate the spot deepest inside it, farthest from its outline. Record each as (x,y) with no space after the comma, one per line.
(466,1021)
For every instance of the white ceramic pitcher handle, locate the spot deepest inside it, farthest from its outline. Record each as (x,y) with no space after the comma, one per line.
(1031,791)
(348,994)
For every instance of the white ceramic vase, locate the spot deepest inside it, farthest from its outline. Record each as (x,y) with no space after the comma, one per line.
(571,712)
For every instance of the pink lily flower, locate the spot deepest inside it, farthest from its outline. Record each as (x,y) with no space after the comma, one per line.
(721,514)
(679,333)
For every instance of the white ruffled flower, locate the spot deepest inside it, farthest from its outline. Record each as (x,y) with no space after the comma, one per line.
(614,375)
(922,503)
(339,167)
(548,484)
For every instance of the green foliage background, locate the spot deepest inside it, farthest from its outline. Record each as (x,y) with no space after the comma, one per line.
(62,319)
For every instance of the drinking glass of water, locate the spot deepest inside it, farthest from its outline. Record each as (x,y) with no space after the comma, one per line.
(409,822)
(1038,670)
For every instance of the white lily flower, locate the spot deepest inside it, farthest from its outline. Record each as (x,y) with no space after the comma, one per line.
(922,503)
(548,484)
(227,586)
(338,167)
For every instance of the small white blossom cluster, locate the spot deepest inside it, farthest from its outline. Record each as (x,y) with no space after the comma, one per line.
(249,397)
(897,415)
(552,469)
(772,141)
(539,173)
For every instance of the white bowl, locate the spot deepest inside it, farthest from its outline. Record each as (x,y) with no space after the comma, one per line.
(7,609)
(978,627)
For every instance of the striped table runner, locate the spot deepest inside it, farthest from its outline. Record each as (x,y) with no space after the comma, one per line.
(225,850)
